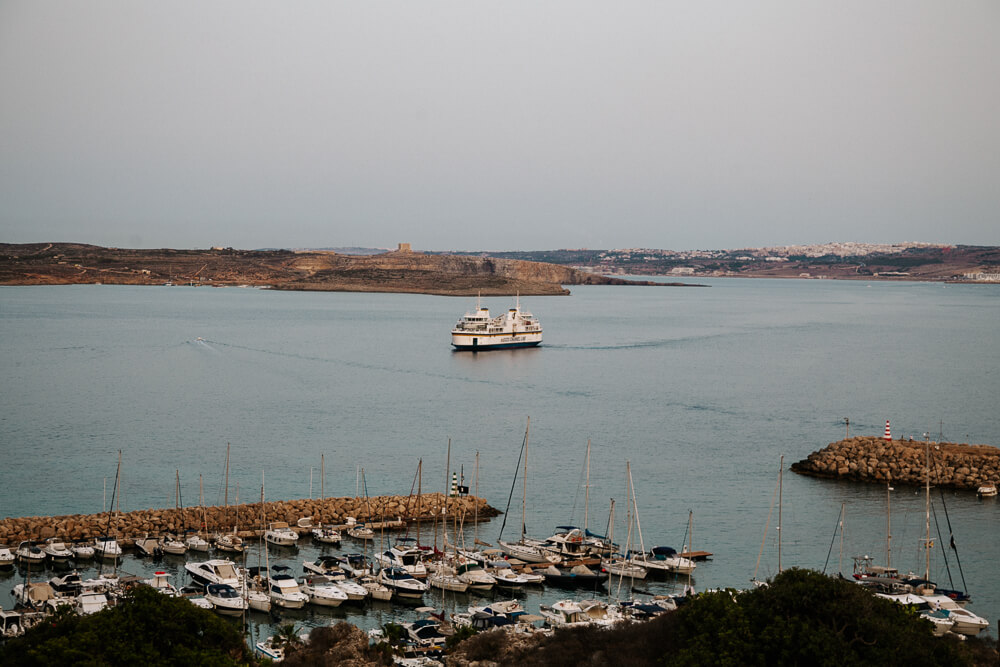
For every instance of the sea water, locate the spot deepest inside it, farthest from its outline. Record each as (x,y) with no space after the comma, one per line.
(701,389)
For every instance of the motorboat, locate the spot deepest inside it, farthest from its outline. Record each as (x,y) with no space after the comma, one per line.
(322,591)
(576,576)
(107,547)
(404,554)
(568,543)
(195,542)
(376,590)
(216,571)
(39,595)
(173,545)
(446,579)
(160,582)
(225,599)
(68,584)
(623,569)
(229,542)
(473,574)
(426,633)
(278,533)
(572,613)
(987,491)
(82,550)
(401,582)
(271,648)
(56,550)
(528,553)
(326,534)
(91,603)
(255,589)
(506,577)
(284,589)
(939,619)
(355,565)
(355,591)
(359,531)
(966,622)
(148,546)
(11,624)
(7,558)
(327,566)
(29,552)
(663,559)
(499,613)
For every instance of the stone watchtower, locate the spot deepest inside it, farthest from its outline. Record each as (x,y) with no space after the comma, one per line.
(404,247)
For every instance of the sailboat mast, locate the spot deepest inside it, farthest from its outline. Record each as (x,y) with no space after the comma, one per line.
(586,493)
(322,476)
(420,496)
(927,508)
(888,525)
(635,506)
(524,480)
(475,538)
(226,495)
(781,469)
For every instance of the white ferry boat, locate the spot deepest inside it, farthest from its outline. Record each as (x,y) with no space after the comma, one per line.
(479,331)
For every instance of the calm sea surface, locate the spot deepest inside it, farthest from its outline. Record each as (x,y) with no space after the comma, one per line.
(702,389)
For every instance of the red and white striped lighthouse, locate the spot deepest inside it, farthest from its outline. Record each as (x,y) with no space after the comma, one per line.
(888,434)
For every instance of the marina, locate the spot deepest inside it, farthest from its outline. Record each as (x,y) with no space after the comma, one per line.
(701,393)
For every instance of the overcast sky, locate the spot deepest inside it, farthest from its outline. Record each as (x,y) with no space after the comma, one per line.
(499,125)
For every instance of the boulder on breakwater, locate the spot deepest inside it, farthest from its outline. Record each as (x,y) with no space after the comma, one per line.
(249,518)
(873,459)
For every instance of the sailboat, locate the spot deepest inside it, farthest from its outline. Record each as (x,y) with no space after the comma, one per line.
(106,546)
(194,541)
(658,559)
(522,549)
(230,542)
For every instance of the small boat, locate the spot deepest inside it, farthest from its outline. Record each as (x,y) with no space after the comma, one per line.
(355,591)
(39,596)
(446,579)
(327,566)
(91,603)
(376,590)
(69,584)
(623,569)
(401,583)
(355,565)
(506,577)
(278,533)
(195,542)
(426,633)
(577,576)
(479,331)
(82,550)
(271,648)
(225,599)
(284,589)
(30,552)
(475,576)
(663,559)
(148,546)
(322,591)
(229,543)
(56,550)
(571,613)
(987,491)
(326,535)
(216,571)
(160,582)
(361,532)
(7,558)
(966,622)
(404,555)
(107,547)
(171,544)
(11,624)
(305,522)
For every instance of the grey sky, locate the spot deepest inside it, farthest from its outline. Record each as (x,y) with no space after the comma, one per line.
(513,125)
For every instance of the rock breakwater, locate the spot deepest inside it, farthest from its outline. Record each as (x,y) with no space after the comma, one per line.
(248,518)
(873,459)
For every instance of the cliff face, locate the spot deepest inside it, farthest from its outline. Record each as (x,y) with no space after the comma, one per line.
(64,264)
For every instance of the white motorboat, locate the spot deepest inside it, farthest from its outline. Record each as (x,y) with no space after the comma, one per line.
(148,546)
(426,633)
(278,533)
(327,566)
(56,550)
(401,583)
(285,591)
(171,544)
(225,599)
(404,554)
(355,592)
(195,542)
(663,559)
(271,648)
(69,584)
(326,535)
(322,591)
(510,611)
(987,491)
(82,550)
(39,595)
(107,547)
(571,613)
(514,328)
(376,590)
(620,568)
(229,542)
(361,532)
(160,582)
(446,579)
(966,622)
(473,574)
(506,577)
(216,571)
(7,558)
(529,553)
(355,565)
(29,552)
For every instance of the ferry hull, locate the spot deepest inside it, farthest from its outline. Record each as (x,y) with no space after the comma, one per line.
(494,346)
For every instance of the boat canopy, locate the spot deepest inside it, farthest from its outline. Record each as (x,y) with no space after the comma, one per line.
(591,534)
(664,551)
